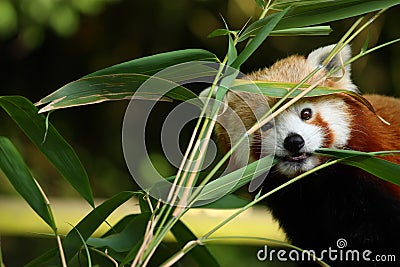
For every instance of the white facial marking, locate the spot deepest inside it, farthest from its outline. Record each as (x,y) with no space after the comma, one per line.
(335,116)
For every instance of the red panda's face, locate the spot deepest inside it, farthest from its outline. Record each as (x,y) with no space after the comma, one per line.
(305,127)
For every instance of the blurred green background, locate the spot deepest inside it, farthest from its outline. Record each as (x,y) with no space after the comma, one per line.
(45,44)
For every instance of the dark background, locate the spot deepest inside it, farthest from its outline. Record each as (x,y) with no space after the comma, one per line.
(45,44)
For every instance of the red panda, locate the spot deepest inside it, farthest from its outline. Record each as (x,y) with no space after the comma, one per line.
(338,202)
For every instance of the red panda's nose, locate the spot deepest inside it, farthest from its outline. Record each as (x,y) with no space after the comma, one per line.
(293,142)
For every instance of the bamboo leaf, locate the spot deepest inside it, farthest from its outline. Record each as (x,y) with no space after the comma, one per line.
(92,221)
(232,53)
(120,81)
(367,161)
(152,64)
(44,259)
(253,29)
(314,30)
(270,22)
(229,201)
(381,168)
(364,48)
(280,89)
(144,204)
(98,89)
(127,238)
(260,3)
(15,169)
(234,180)
(221,32)
(349,153)
(200,253)
(131,254)
(88,258)
(312,12)
(54,146)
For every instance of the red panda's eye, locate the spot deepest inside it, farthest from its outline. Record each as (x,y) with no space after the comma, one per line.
(306,114)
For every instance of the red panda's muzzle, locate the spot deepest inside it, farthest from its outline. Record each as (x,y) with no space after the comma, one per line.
(293,143)
(297,157)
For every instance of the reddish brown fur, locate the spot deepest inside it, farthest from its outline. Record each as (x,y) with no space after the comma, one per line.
(370,134)
(339,201)
(329,135)
(244,105)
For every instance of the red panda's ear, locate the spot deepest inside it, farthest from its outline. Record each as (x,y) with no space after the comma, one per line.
(316,57)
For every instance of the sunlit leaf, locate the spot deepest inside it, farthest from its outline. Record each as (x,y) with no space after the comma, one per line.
(280,89)
(229,201)
(152,64)
(98,89)
(120,81)
(236,179)
(314,30)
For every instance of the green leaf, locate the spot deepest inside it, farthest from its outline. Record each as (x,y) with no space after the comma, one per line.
(199,253)
(367,161)
(229,201)
(88,258)
(234,180)
(253,29)
(44,259)
(260,3)
(1,256)
(221,32)
(127,238)
(344,153)
(92,221)
(152,64)
(232,53)
(131,254)
(54,147)
(381,168)
(15,169)
(280,89)
(305,31)
(305,13)
(98,89)
(312,12)
(120,225)
(143,203)
(365,45)
(120,81)
(270,22)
